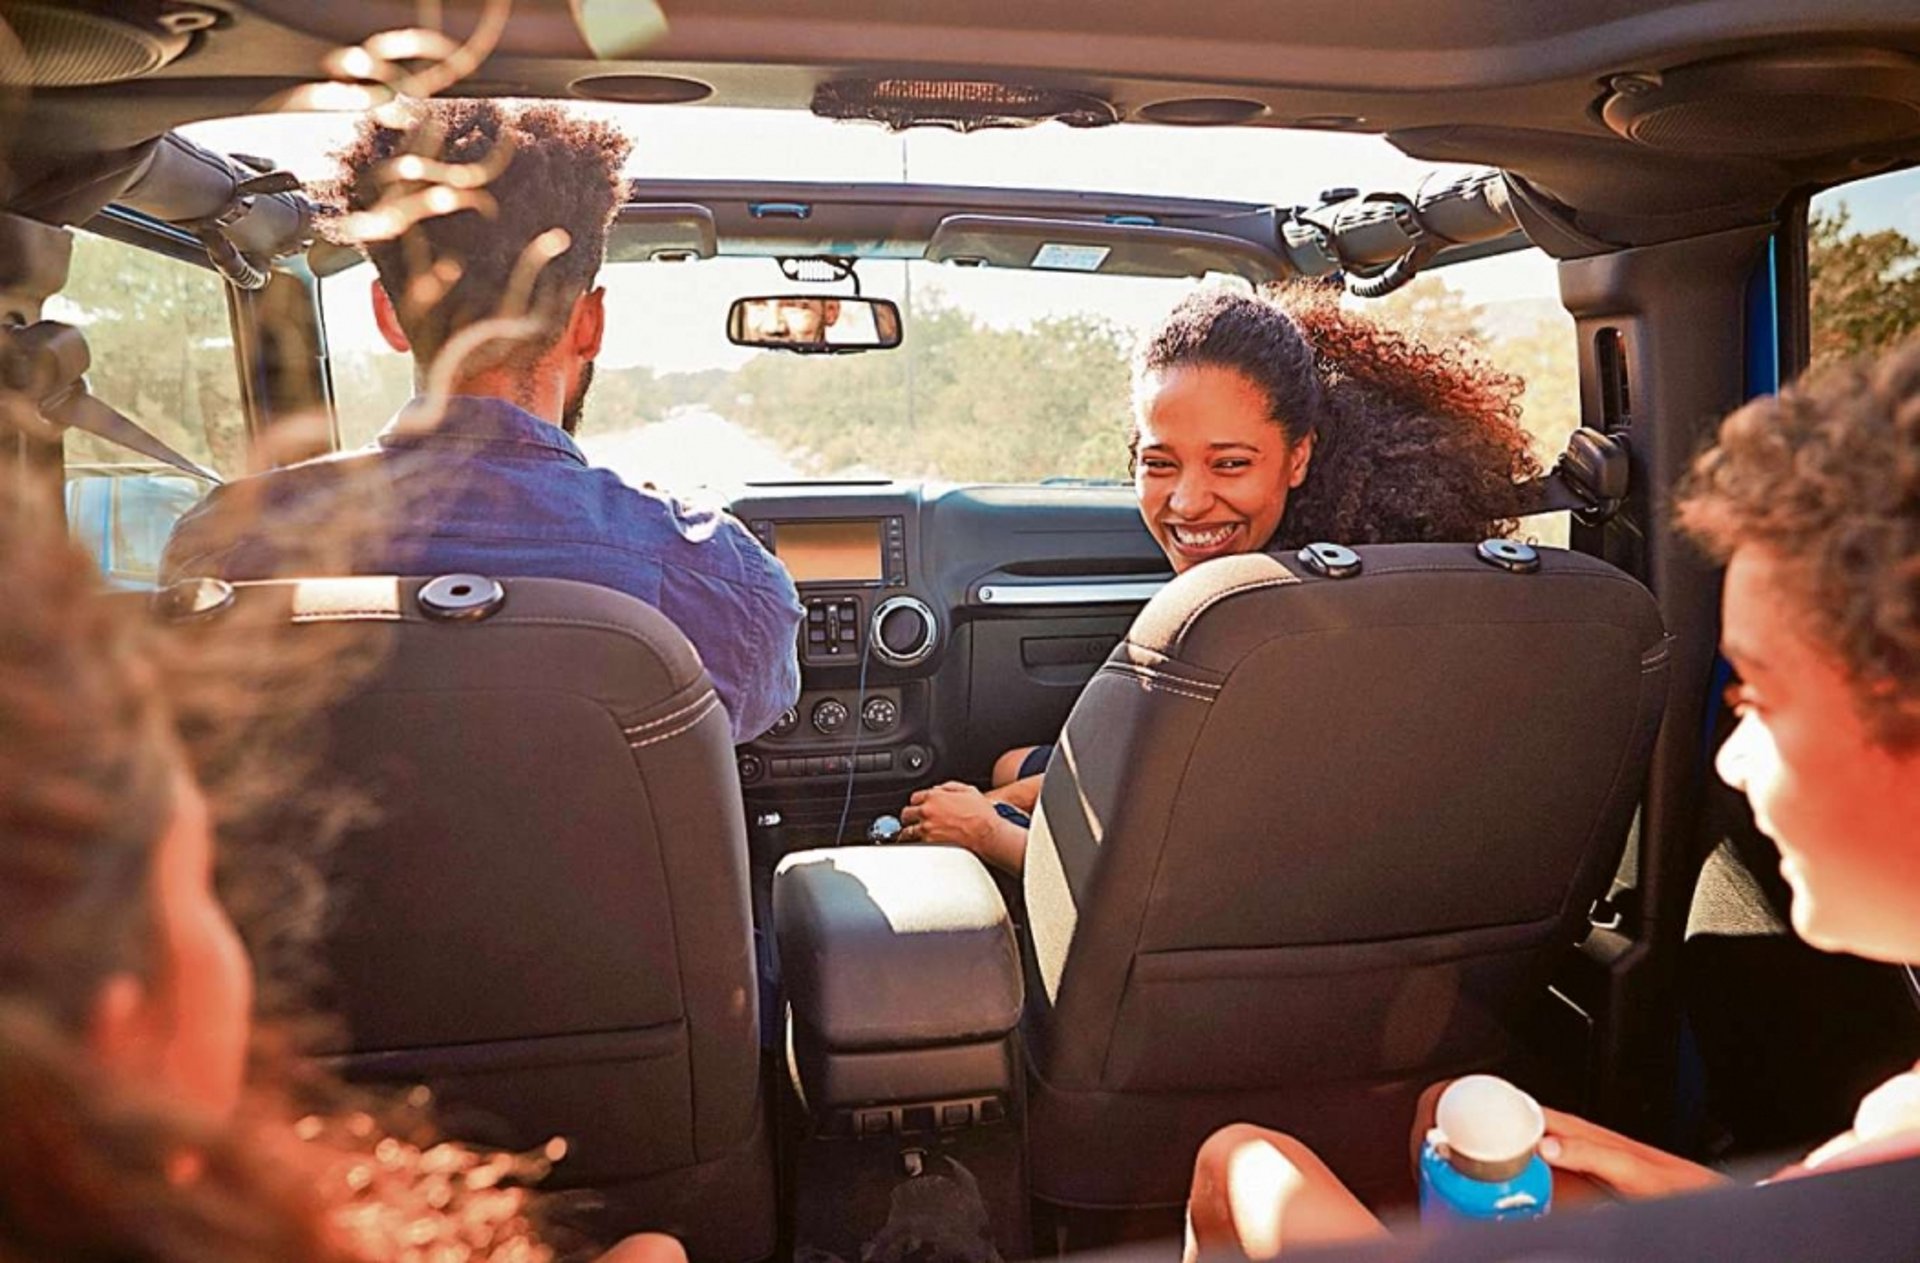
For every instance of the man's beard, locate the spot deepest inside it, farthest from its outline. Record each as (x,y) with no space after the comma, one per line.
(577,401)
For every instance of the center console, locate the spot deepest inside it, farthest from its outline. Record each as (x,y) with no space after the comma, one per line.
(903,992)
(867,646)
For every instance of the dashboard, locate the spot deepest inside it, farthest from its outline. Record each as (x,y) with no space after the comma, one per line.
(943,625)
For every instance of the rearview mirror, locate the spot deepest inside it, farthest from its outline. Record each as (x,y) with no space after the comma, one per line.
(814,324)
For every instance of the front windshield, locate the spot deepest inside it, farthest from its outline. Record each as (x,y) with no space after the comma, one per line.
(1002,375)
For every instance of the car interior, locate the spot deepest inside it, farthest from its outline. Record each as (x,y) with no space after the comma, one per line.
(1318,829)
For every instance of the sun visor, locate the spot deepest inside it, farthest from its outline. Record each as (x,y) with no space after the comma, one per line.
(1096,247)
(647,232)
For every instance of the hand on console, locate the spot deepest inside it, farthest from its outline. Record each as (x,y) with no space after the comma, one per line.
(956,814)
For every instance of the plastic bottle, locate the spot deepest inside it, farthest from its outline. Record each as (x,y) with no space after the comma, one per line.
(1480,1159)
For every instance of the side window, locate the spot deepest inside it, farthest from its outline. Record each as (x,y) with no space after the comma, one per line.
(370,379)
(1507,308)
(1863,266)
(162,353)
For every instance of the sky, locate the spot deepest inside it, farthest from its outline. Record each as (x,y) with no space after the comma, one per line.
(1261,165)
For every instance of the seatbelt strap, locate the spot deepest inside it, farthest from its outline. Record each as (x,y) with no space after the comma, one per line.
(79,410)
(1548,493)
(47,362)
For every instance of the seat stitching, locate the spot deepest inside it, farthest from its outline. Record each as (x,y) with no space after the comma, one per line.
(686,727)
(1187,622)
(1158,686)
(637,729)
(1152,687)
(1150,673)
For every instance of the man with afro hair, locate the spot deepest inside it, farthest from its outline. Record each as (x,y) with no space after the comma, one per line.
(487,225)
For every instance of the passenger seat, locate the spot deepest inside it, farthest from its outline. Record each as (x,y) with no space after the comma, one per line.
(1315,836)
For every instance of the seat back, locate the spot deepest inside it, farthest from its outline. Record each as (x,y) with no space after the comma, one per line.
(1309,843)
(546,917)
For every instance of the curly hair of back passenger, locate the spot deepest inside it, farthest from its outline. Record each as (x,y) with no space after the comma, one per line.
(156,1103)
(1812,499)
(487,225)
(1410,442)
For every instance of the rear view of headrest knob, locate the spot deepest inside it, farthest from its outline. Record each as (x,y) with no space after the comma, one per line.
(1508,554)
(461,598)
(1330,561)
(190,600)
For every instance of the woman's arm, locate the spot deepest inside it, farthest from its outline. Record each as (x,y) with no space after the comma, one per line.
(957,814)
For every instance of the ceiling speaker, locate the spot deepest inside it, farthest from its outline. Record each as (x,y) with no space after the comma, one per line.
(76,45)
(1775,105)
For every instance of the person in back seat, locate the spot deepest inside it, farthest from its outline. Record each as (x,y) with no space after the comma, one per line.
(1812,500)
(150,1113)
(497,303)
(1270,423)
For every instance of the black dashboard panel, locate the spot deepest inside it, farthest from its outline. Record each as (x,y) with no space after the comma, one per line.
(944,625)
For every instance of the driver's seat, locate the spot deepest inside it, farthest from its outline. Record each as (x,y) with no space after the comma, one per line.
(546,916)
(1309,843)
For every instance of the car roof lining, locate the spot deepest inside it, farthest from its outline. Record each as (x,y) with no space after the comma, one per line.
(1473,81)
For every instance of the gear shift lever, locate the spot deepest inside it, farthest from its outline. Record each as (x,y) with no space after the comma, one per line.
(883,830)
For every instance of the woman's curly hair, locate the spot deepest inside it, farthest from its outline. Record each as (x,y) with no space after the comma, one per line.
(1411,443)
(1826,476)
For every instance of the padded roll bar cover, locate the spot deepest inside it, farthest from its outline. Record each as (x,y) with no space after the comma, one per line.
(183,183)
(889,948)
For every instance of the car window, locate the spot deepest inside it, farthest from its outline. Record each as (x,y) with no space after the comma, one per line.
(1863,266)
(1002,375)
(162,353)
(1507,309)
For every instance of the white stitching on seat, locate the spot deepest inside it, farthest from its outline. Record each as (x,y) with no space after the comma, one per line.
(637,729)
(1152,686)
(712,703)
(1149,673)
(1186,624)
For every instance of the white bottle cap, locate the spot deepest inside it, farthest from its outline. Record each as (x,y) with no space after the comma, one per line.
(1487,1119)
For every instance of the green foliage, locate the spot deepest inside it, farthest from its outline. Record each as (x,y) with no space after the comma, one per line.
(1864,287)
(960,400)
(162,352)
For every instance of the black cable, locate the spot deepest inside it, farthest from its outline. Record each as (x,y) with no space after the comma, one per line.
(853,755)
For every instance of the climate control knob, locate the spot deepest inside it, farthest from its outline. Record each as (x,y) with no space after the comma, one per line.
(788,721)
(904,631)
(879,714)
(829,717)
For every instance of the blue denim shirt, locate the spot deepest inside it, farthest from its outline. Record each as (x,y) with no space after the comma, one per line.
(493,489)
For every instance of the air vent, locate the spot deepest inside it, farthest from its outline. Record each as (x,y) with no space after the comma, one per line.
(642,89)
(1208,111)
(79,45)
(959,104)
(1775,106)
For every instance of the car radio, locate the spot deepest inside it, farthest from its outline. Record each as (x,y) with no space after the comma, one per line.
(869,552)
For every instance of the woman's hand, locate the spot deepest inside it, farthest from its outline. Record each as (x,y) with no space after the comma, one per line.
(645,1247)
(1619,1164)
(957,814)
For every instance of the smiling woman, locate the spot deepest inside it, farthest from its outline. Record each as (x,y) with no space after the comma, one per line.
(1273,422)
(1280,421)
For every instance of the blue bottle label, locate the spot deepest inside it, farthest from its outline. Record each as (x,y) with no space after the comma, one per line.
(1447,1194)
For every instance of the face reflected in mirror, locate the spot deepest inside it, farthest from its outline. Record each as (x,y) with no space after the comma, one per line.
(814,322)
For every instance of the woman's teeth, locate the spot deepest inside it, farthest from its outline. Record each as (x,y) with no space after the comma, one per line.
(1201,537)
